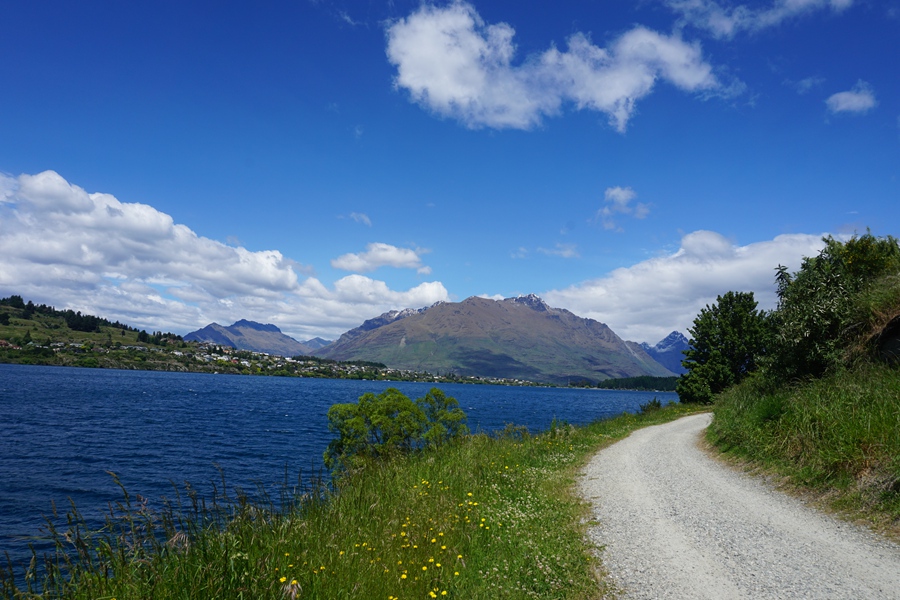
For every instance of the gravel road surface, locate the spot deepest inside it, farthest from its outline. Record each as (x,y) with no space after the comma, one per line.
(677,524)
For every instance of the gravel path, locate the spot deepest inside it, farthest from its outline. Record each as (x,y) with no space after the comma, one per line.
(676,524)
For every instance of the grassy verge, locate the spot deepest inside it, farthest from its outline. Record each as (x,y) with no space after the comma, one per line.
(835,439)
(488,517)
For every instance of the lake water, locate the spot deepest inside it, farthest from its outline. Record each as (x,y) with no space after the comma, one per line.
(62,429)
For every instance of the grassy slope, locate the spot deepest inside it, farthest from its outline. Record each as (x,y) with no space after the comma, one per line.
(835,439)
(44,327)
(491,517)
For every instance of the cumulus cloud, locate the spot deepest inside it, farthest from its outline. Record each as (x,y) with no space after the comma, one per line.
(379,255)
(453,63)
(645,302)
(618,202)
(88,251)
(859,99)
(725,21)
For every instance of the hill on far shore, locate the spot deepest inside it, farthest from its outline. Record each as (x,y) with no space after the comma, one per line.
(255,337)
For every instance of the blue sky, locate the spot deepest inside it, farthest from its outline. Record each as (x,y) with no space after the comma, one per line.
(313,164)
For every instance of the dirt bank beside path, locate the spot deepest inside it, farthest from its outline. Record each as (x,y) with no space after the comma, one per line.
(676,524)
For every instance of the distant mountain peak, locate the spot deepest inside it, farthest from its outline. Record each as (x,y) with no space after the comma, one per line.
(256,326)
(674,342)
(669,351)
(250,335)
(530,300)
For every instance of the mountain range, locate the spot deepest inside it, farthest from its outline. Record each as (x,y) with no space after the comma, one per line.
(256,337)
(514,338)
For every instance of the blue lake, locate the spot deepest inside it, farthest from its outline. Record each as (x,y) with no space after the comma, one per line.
(62,429)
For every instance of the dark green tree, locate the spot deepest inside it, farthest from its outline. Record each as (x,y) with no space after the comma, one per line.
(15,301)
(727,341)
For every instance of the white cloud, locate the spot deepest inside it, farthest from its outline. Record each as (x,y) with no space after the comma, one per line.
(618,201)
(805,85)
(497,297)
(724,21)
(860,99)
(88,251)
(561,250)
(361,218)
(379,255)
(645,302)
(452,62)
(619,196)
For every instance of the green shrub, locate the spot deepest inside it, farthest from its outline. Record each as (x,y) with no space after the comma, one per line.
(388,424)
(826,306)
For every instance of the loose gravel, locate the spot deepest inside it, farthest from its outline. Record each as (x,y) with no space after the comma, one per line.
(673,523)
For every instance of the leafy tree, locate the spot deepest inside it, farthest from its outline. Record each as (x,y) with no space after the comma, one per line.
(818,315)
(727,341)
(389,424)
(373,427)
(444,418)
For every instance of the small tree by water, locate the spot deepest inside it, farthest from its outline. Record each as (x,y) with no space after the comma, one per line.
(388,424)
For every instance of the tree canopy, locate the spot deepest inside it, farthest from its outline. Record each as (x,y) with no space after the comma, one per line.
(727,341)
(821,306)
(388,424)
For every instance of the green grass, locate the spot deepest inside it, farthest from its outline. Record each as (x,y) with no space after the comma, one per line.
(44,328)
(836,437)
(488,517)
